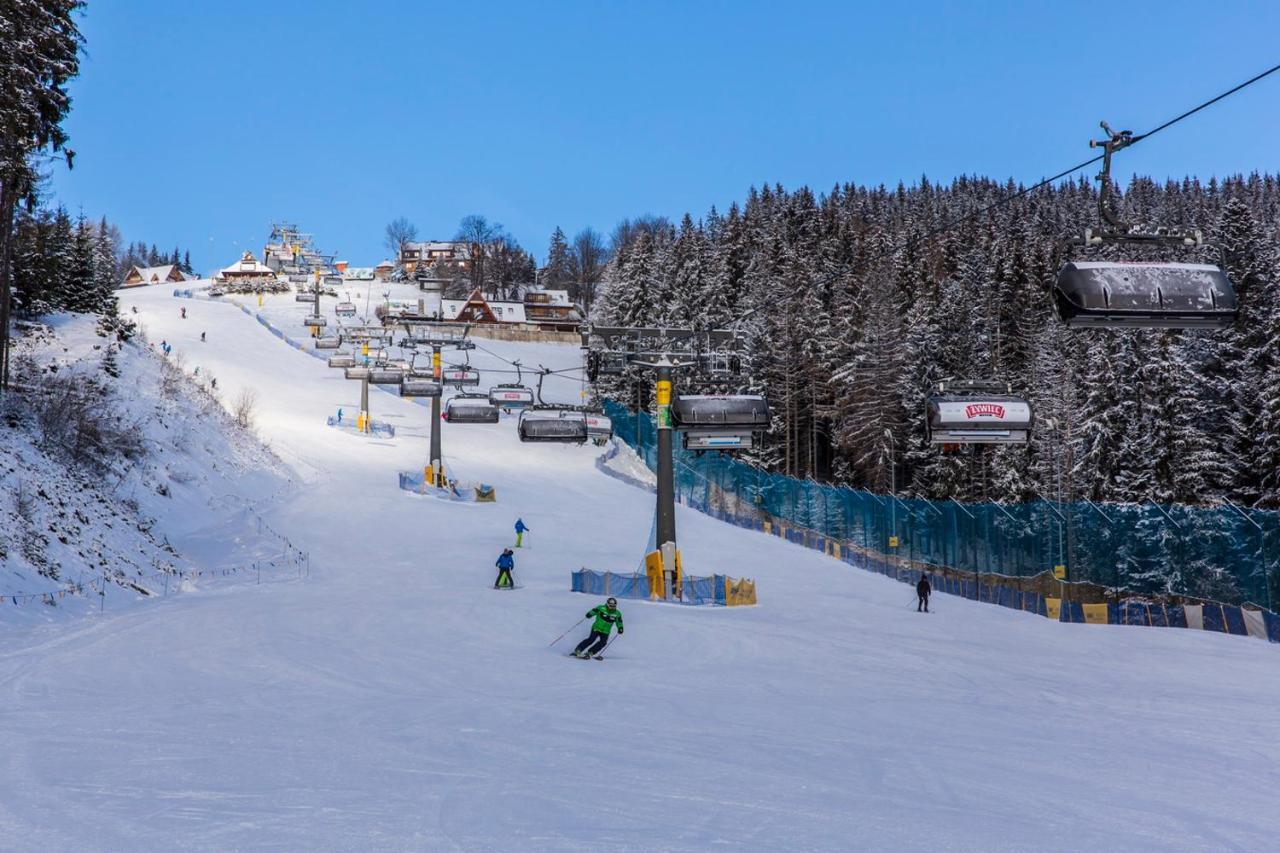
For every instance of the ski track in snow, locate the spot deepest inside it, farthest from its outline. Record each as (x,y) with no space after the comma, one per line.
(394,702)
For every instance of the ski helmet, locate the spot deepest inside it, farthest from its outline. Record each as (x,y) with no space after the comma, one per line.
(612,602)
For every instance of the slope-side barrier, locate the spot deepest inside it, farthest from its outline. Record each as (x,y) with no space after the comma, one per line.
(720,590)
(1041,593)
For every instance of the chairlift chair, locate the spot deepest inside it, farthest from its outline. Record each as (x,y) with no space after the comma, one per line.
(302,296)
(725,422)
(345,309)
(972,411)
(511,396)
(347,361)
(411,387)
(328,343)
(606,363)
(463,377)
(1139,294)
(315,322)
(1111,295)
(470,409)
(552,425)
(353,372)
(385,376)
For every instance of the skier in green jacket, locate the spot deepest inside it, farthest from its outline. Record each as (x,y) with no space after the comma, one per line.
(606,615)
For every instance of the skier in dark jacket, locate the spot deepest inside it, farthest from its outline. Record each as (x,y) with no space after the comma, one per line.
(521,527)
(606,615)
(506,562)
(923,589)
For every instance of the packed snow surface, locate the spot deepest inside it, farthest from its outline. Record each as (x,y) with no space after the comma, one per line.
(396,701)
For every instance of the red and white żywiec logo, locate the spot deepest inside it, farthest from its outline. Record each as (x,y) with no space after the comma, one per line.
(984,410)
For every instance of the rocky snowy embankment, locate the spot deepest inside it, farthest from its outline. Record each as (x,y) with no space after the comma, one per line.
(123,477)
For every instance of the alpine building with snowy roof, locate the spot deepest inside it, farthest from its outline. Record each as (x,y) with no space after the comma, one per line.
(141,276)
(478,309)
(247,267)
(452,252)
(551,309)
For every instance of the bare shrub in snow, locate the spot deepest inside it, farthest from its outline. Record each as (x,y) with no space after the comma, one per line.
(24,501)
(79,418)
(245,407)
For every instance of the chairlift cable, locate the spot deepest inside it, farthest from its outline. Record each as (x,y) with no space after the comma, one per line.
(949,225)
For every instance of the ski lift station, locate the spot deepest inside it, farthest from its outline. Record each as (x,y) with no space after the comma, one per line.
(975,411)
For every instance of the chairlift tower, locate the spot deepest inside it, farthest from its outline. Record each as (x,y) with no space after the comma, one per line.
(437,338)
(666,351)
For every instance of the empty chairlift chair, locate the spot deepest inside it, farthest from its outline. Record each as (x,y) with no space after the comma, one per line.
(345,309)
(1139,294)
(720,422)
(1106,294)
(511,396)
(328,343)
(552,425)
(304,296)
(356,373)
(314,322)
(345,360)
(412,387)
(385,376)
(470,409)
(972,411)
(463,377)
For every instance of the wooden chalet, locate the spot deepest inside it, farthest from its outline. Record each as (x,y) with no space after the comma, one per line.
(142,276)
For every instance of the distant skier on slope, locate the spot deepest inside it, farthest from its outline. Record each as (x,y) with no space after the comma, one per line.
(521,527)
(923,589)
(506,562)
(606,615)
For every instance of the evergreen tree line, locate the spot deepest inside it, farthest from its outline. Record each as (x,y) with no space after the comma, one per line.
(851,316)
(140,255)
(65,264)
(41,55)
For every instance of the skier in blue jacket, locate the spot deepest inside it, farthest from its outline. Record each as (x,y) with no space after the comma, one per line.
(521,527)
(506,562)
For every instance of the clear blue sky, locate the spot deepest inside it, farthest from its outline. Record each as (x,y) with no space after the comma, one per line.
(197,123)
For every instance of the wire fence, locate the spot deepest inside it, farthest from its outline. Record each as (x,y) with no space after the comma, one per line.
(1225,553)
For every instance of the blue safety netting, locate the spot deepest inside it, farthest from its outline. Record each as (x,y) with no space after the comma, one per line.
(694,590)
(1219,553)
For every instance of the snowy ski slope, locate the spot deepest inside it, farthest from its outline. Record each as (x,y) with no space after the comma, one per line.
(395,702)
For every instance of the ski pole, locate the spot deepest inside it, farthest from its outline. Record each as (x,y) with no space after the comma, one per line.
(608,644)
(566,633)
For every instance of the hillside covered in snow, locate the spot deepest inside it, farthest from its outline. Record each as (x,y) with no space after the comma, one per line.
(123,477)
